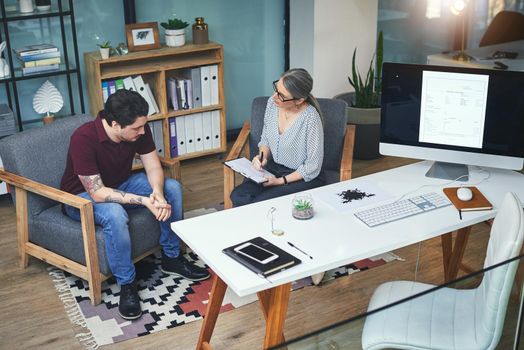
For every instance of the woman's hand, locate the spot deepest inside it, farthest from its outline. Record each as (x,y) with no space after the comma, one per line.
(273,181)
(259,163)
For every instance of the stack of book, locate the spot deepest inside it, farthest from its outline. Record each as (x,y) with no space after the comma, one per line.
(38,58)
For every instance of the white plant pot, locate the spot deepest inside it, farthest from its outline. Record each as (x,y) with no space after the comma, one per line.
(104,52)
(26,6)
(175,37)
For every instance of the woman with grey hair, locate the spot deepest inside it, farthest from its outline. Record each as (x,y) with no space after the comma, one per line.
(292,142)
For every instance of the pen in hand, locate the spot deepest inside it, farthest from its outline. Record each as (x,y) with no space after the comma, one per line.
(261,158)
(300,250)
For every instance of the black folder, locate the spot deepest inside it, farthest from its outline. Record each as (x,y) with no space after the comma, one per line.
(283,262)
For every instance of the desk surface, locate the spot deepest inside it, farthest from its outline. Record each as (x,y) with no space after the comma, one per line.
(334,238)
(480,53)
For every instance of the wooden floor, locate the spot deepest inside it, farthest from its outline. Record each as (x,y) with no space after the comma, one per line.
(32,316)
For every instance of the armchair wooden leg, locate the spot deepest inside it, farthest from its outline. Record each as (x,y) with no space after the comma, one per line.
(22,225)
(91,254)
(229,185)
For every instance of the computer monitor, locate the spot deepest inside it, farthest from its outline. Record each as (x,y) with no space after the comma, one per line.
(453,116)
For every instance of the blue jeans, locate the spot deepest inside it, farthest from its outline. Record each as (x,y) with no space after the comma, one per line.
(113,219)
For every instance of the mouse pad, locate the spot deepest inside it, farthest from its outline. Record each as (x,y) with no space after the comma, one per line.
(478,202)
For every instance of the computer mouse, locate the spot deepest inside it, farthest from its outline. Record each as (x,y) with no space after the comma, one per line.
(464,194)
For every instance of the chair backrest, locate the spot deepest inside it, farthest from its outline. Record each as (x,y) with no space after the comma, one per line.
(504,27)
(40,154)
(492,296)
(334,112)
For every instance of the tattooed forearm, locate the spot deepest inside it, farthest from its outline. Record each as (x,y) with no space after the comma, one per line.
(113,199)
(136,200)
(91,183)
(122,193)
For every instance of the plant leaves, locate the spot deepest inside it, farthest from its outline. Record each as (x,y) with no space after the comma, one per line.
(47,99)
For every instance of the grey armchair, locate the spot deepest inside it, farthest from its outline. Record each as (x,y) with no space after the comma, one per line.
(339,140)
(34,161)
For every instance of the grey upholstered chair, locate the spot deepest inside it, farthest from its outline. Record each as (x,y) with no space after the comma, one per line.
(34,161)
(339,140)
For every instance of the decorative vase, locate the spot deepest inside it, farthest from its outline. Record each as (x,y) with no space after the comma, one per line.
(104,52)
(25,6)
(200,32)
(175,37)
(302,206)
(43,5)
(48,119)
(367,131)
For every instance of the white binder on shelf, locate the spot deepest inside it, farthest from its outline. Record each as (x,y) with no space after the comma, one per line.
(152,97)
(182,90)
(181,135)
(215,128)
(141,89)
(199,132)
(208,134)
(213,77)
(156,128)
(128,84)
(190,133)
(197,89)
(205,86)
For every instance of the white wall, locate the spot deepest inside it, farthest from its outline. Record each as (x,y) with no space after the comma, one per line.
(338,26)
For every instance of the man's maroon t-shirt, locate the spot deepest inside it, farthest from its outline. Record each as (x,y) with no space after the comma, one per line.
(92,152)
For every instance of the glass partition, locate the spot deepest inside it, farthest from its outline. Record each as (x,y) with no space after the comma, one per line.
(480,297)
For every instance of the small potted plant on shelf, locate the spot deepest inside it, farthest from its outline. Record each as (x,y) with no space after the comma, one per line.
(105,47)
(302,206)
(175,30)
(364,104)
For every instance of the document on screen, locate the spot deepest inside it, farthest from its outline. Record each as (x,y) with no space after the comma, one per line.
(453,108)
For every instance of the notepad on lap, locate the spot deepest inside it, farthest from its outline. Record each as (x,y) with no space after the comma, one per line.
(283,262)
(244,167)
(477,202)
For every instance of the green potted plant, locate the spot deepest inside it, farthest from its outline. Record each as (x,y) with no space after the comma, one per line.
(302,206)
(105,47)
(175,30)
(364,104)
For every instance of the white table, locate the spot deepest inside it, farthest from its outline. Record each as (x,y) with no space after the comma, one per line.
(480,53)
(332,237)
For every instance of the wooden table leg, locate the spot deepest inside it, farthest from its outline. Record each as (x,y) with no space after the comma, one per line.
(213,308)
(274,303)
(447,248)
(454,259)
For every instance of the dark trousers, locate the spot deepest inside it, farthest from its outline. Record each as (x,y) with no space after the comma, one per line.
(251,192)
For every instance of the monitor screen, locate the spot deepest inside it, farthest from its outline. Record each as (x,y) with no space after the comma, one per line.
(456,115)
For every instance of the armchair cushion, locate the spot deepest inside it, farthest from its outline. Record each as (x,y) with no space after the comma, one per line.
(64,237)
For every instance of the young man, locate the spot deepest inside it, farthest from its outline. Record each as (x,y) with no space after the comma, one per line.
(98,168)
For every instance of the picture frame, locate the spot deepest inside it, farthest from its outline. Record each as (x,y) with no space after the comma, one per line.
(142,36)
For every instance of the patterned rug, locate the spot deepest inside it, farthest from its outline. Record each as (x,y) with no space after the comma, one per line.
(167,301)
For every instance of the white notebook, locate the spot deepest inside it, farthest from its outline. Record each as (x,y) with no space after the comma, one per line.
(244,167)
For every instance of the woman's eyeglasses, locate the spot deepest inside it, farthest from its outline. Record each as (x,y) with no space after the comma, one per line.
(280,96)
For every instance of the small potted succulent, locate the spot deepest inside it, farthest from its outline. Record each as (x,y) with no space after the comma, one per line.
(175,30)
(105,47)
(302,206)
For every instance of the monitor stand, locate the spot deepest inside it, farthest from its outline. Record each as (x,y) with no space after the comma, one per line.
(448,171)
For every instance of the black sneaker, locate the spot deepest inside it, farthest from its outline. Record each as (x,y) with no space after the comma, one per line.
(181,267)
(129,305)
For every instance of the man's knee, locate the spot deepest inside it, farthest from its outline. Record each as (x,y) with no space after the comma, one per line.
(172,189)
(113,214)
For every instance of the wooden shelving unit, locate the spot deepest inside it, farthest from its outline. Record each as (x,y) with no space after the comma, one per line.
(155,66)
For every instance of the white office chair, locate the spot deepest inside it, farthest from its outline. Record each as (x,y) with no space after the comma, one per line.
(451,318)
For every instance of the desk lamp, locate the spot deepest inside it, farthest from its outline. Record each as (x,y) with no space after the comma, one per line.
(458,9)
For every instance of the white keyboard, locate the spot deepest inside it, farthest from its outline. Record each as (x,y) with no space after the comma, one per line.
(402,209)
